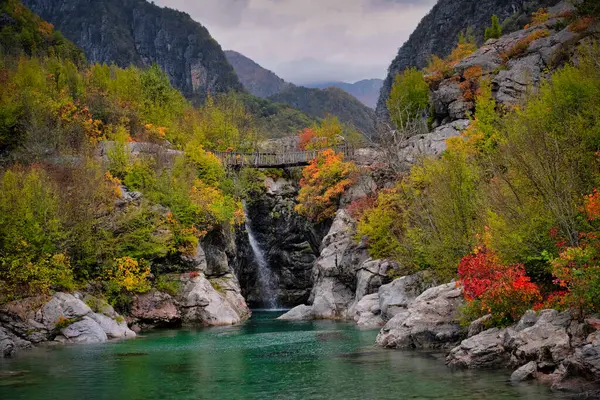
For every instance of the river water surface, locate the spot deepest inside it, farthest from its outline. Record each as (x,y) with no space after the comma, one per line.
(262,359)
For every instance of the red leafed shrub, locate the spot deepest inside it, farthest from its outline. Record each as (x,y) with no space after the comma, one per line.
(357,208)
(555,300)
(305,137)
(490,287)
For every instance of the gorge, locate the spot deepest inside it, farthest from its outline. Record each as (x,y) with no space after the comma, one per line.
(451,252)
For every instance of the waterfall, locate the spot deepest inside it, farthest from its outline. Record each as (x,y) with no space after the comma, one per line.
(267,281)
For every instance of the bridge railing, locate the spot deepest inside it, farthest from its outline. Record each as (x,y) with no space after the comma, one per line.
(266,160)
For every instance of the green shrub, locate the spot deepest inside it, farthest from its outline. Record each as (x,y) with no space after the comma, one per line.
(32,236)
(167,285)
(409,97)
(494,31)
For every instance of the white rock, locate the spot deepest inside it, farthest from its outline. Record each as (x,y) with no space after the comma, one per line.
(84,332)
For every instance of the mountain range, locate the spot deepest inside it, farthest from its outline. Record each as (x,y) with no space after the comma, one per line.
(367,90)
(340,99)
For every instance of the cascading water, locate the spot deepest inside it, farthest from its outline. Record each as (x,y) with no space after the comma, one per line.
(267,280)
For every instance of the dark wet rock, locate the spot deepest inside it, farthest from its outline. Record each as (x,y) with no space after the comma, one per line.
(290,244)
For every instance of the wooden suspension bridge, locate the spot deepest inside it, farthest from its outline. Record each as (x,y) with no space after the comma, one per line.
(276,160)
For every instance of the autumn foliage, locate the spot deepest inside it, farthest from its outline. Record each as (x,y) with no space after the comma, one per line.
(504,291)
(323,182)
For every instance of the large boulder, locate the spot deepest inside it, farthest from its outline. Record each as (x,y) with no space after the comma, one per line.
(154,309)
(298,313)
(430,321)
(484,350)
(114,328)
(396,296)
(525,372)
(62,317)
(367,312)
(547,342)
(211,303)
(86,331)
(63,306)
(545,339)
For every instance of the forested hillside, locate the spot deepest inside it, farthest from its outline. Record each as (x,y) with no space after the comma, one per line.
(103,173)
(319,103)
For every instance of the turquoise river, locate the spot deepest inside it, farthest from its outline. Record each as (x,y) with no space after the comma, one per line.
(262,359)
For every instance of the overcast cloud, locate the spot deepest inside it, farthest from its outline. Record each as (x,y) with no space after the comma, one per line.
(307,41)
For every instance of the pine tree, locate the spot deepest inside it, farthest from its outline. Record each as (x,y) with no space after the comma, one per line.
(494,31)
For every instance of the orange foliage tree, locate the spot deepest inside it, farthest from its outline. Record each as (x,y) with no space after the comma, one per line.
(323,182)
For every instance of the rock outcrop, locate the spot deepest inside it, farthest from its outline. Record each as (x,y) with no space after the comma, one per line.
(214,302)
(62,318)
(430,144)
(551,346)
(437,33)
(430,321)
(343,274)
(542,48)
(154,310)
(138,32)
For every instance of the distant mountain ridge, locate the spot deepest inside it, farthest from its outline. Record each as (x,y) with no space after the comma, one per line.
(367,90)
(257,80)
(315,102)
(320,102)
(140,33)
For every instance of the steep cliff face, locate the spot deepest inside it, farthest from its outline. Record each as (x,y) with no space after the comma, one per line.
(137,32)
(437,33)
(257,80)
(289,242)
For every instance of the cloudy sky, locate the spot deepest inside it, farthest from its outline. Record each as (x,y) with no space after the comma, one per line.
(306,41)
